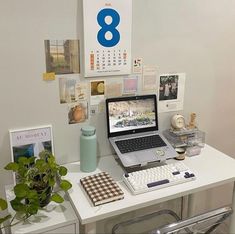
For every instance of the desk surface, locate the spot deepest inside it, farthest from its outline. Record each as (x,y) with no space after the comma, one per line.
(211,167)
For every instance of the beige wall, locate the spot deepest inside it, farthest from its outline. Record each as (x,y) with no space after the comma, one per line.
(192,36)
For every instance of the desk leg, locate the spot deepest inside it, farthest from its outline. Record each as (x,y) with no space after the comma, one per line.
(89,228)
(232,224)
(191,204)
(184,207)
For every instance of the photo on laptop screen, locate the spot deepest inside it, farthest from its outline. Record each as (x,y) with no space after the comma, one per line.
(131,114)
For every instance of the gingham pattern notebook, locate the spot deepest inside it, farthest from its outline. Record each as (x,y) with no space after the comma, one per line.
(101,188)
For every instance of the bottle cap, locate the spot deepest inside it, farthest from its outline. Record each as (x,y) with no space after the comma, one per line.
(88,130)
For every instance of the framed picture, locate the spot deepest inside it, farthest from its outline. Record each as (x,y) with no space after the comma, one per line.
(30,142)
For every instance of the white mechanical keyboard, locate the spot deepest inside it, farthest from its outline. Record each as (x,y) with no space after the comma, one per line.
(158,177)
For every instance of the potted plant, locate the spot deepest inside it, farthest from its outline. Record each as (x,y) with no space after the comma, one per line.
(38,182)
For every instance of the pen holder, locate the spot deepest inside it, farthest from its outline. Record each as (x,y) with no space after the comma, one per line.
(88,157)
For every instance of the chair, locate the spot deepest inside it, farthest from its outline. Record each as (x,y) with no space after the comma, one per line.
(203,223)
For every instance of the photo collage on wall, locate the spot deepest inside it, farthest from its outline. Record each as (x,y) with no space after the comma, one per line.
(85,97)
(63,60)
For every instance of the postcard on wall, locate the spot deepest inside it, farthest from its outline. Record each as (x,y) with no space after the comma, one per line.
(29,142)
(113,89)
(130,84)
(67,89)
(149,78)
(97,88)
(81,91)
(77,112)
(62,56)
(137,66)
(107,37)
(171,92)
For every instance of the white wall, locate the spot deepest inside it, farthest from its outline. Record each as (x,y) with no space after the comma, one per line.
(26,100)
(192,36)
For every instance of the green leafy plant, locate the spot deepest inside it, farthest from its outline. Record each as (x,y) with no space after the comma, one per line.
(39,181)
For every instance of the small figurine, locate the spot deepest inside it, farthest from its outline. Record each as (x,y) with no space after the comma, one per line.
(177,122)
(192,123)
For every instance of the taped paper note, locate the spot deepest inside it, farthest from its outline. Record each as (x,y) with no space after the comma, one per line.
(49,76)
(149,78)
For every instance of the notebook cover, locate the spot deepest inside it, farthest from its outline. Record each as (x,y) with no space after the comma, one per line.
(101,188)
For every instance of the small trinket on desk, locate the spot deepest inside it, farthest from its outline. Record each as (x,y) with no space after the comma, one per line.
(181,153)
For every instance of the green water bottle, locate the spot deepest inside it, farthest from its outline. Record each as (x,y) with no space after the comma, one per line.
(88,157)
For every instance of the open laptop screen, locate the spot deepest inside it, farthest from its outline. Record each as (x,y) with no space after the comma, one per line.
(127,115)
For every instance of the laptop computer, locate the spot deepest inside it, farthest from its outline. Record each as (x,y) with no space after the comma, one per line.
(132,125)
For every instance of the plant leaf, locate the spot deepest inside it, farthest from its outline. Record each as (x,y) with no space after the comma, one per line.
(17,205)
(39,162)
(2,220)
(51,182)
(42,196)
(63,171)
(45,154)
(65,185)
(57,198)
(12,166)
(33,209)
(32,194)
(51,161)
(3,204)
(23,160)
(31,160)
(21,190)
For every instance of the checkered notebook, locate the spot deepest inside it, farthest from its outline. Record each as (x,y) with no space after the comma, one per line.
(101,188)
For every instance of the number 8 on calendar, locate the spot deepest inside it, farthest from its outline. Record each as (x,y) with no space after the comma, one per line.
(107,37)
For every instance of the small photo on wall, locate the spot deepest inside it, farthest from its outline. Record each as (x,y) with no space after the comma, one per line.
(30,142)
(81,91)
(62,56)
(67,89)
(137,65)
(97,88)
(97,92)
(78,112)
(171,92)
(130,84)
(168,88)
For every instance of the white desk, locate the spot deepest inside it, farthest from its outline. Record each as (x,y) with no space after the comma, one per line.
(212,168)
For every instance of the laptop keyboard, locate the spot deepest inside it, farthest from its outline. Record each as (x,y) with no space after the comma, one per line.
(140,143)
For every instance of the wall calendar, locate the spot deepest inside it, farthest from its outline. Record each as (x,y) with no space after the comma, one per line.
(107,37)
